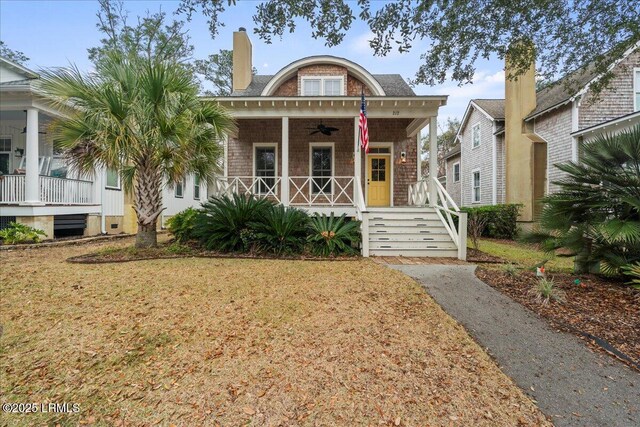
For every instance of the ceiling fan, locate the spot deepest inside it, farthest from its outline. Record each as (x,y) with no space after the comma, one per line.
(325,130)
(24,129)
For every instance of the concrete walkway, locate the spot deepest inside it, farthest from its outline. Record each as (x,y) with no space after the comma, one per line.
(571,384)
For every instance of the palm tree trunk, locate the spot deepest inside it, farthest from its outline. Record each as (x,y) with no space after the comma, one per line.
(148,205)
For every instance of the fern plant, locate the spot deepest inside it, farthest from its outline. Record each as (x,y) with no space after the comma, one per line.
(182,224)
(595,215)
(281,230)
(332,235)
(20,233)
(223,223)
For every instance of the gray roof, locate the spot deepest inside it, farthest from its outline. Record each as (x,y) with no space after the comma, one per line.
(24,82)
(493,107)
(455,151)
(392,84)
(562,90)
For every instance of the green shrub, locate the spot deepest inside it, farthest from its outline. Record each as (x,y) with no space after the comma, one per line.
(330,235)
(182,224)
(633,271)
(223,222)
(545,290)
(281,230)
(20,233)
(500,221)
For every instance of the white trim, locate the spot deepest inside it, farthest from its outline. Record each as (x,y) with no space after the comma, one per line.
(313,145)
(636,88)
(473,171)
(611,125)
(453,172)
(473,128)
(253,159)
(19,68)
(356,70)
(284,183)
(494,165)
(575,116)
(322,80)
(391,155)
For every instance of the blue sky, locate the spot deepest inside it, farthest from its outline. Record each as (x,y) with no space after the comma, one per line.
(55,33)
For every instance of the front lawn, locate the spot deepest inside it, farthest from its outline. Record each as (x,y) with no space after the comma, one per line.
(199,341)
(526,256)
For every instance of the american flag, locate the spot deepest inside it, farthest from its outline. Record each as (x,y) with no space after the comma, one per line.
(364,128)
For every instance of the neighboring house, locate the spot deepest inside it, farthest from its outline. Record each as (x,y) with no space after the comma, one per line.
(284,150)
(512,144)
(36,186)
(453,174)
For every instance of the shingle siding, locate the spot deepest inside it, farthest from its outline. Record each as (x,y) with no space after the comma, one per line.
(453,188)
(240,149)
(555,129)
(615,101)
(480,158)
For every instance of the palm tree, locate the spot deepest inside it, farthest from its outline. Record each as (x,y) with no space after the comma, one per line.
(596,212)
(141,117)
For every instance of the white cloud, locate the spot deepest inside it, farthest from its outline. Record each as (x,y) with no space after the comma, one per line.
(265,65)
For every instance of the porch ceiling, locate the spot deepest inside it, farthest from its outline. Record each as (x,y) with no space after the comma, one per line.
(332,107)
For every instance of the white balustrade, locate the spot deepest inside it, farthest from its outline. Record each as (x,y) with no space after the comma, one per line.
(53,191)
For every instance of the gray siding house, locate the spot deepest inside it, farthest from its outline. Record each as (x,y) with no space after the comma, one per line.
(564,116)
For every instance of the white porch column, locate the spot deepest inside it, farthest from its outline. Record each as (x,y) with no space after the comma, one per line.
(32,184)
(433,158)
(419,154)
(284,184)
(357,158)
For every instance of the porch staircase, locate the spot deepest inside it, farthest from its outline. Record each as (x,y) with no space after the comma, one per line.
(410,232)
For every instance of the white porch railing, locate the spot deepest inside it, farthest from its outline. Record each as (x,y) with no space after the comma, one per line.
(247,185)
(419,193)
(326,191)
(11,189)
(446,209)
(53,191)
(63,191)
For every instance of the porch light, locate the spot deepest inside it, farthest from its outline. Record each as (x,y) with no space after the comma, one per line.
(19,152)
(403,157)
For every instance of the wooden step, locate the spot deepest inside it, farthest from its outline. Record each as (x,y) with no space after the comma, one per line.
(412,244)
(436,253)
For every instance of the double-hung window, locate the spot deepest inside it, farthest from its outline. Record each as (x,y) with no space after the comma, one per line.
(5,155)
(196,187)
(475,187)
(456,172)
(322,86)
(475,135)
(180,188)
(112,179)
(321,169)
(265,159)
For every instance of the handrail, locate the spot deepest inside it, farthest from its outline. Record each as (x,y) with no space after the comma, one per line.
(442,191)
(445,207)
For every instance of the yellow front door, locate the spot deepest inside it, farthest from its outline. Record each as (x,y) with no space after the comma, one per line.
(379,180)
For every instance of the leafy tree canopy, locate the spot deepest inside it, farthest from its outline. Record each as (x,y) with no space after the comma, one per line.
(12,55)
(446,141)
(453,35)
(151,36)
(218,69)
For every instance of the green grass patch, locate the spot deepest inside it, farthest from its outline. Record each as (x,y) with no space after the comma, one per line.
(526,256)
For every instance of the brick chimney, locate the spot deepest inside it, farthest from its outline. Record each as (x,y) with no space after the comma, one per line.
(242,62)
(525,153)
